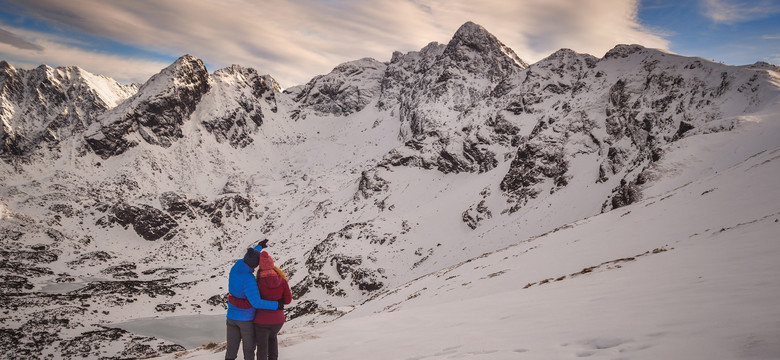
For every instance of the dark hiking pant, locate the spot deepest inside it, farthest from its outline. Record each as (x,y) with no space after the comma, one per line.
(265,338)
(238,331)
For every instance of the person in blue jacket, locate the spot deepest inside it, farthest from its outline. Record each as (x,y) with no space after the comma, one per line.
(242,284)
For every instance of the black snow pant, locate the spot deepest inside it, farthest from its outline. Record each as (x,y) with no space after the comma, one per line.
(238,331)
(265,337)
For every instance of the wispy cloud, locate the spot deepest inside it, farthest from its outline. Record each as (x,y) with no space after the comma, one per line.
(293,40)
(7,37)
(55,51)
(731,12)
(771,37)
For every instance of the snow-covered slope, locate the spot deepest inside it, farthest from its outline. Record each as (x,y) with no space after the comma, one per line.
(678,275)
(375,180)
(40,107)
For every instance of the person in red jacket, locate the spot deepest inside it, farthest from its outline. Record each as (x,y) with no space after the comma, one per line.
(272,283)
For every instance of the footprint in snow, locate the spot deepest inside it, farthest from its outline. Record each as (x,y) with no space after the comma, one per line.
(596,346)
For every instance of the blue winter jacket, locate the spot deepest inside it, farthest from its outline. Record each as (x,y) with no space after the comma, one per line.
(242,284)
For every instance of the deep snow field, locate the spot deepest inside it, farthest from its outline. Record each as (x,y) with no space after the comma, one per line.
(690,272)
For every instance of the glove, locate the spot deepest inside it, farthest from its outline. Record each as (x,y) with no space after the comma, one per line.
(281,305)
(263,243)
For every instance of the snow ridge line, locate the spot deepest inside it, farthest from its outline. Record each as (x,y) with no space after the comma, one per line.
(612,264)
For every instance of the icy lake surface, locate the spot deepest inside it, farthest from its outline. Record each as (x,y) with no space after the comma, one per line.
(189,331)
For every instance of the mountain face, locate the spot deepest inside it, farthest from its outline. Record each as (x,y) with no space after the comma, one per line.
(435,92)
(122,202)
(155,113)
(234,110)
(40,107)
(346,90)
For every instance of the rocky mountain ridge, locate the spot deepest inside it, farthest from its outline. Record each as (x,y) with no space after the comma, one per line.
(364,178)
(39,107)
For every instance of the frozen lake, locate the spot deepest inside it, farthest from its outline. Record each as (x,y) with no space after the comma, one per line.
(189,331)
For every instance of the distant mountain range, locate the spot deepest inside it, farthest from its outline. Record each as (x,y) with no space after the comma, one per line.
(124,201)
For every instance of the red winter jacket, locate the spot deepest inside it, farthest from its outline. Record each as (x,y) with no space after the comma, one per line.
(272,288)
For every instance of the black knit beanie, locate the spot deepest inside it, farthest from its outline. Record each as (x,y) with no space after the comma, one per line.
(252,258)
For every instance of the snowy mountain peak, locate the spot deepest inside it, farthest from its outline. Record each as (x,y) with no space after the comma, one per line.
(348,88)
(236,104)
(5,66)
(566,55)
(187,61)
(7,74)
(241,73)
(45,105)
(185,71)
(623,50)
(765,66)
(154,114)
(472,40)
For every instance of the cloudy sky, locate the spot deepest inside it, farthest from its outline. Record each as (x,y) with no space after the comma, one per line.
(294,40)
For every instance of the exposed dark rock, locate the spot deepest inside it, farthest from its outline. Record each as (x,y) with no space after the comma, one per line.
(36,256)
(169,349)
(302,308)
(156,112)
(167,307)
(122,271)
(24,269)
(503,131)
(234,206)
(89,343)
(91,258)
(684,127)
(347,89)
(627,193)
(63,209)
(218,300)
(14,284)
(345,264)
(475,214)
(164,271)
(366,279)
(147,221)
(176,205)
(128,289)
(10,339)
(481,158)
(532,164)
(348,267)
(370,184)
(622,51)
(243,115)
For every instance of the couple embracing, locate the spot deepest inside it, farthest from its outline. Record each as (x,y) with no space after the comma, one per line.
(255,305)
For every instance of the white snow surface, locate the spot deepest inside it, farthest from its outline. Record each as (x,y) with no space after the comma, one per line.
(691,273)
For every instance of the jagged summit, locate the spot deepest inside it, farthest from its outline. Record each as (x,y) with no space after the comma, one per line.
(472,42)
(248,72)
(563,53)
(186,70)
(624,50)
(154,114)
(44,105)
(348,88)
(236,104)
